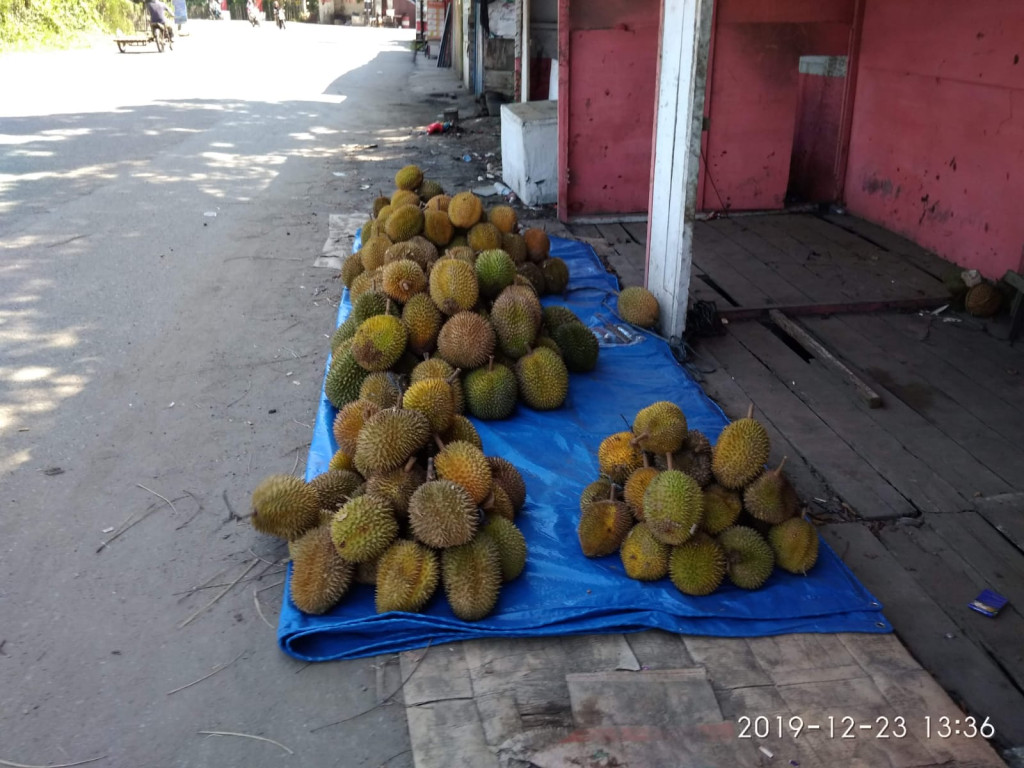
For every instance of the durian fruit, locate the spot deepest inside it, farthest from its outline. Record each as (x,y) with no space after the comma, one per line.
(543,379)
(462,429)
(695,458)
(439,203)
(422,320)
(378,203)
(555,316)
(388,439)
(461,253)
(428,248)
(407,577)
(320,576)
(344,377)
(484,237)
(505,475)
(578,346)
(433,398)
(603,526)
(504,218)
(465,210)
(795,544)
(365,281)
(515,246)
(351,268)
(509,542)
(673,507)
(534,276)
(336,487)
(660,428)
(380,388)
(370,304)
(740,453)
(749,558)
(983,300)
(548,343)
(409,177)
(437,227)
(382,216)
(501,504)
(495,271)
(340,462)
(644,556)
(636,487)
(698,566)
(284,506)
(403,197)
(429,189)
(405,222)
(411,250)
(538,246)
(379,342)
(466,340)
(516,315)
(638,306)
(466,465)
(437,368)
(491,392)
(397,486)
(403,280)
(459,240)
(619,457)
(372,253)
(556,275)
(453,286)
(722,508)
(472,578)
(595,491)
(364,528)
(442,514)
(771,497)
(343,332)
(349,420)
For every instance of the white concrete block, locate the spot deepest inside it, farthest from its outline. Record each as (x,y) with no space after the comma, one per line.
(529,150)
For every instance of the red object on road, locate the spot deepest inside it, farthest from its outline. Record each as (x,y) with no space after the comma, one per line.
(435,128)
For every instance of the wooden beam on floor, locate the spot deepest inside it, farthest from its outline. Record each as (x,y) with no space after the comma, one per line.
(807,340)
(738,314)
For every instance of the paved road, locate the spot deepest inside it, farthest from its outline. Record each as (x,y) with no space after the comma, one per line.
(145,341)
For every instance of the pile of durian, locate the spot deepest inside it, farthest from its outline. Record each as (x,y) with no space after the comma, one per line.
(475,309)
(672,505)
(411,514)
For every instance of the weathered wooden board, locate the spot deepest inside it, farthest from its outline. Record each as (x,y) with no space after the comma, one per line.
(959,665)
(637,230)
(853,478)
(804,658)
(730,662)
(659,699)
(942,567)
(920,391)
(732,269)
(852,420)
(889,241)
(1005,513)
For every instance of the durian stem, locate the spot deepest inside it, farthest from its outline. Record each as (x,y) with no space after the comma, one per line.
(409,464)
(668,461)
(750,411)
(454,376)
(490,363)
(781,465)
(637,438)
(387,307)
(647,462)
(611,491)
(430,470)
(439,442)
(488,503)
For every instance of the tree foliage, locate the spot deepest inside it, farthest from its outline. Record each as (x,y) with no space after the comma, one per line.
(34,23)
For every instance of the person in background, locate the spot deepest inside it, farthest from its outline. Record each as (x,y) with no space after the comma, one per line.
(279,14)
(157,16)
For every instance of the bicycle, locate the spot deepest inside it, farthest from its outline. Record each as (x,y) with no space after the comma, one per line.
(420,44)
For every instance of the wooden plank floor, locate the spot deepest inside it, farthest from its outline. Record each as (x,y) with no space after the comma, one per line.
(923,497)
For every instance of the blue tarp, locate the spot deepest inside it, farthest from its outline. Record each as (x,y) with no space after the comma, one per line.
(561,592)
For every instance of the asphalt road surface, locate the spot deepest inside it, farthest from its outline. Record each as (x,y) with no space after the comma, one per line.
(163,334)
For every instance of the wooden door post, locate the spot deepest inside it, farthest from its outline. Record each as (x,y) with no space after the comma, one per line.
(675,162)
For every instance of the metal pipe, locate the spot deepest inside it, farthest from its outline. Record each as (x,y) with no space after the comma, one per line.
(525,53)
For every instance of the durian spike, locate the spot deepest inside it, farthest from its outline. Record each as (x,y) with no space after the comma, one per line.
(750,411)
(409,465)
(668,460)
(439,442)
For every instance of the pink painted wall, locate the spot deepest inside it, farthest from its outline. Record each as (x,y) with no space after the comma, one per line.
(753,91)
(812,171)
(937,147)
(608,58)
